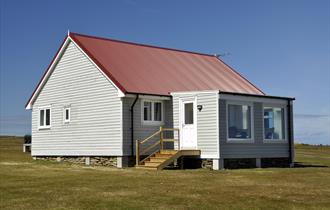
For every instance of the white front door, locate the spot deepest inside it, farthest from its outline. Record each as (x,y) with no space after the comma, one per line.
(188,125)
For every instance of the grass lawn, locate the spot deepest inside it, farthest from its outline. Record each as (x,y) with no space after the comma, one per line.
(28,184)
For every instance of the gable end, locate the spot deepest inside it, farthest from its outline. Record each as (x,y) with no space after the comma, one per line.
(52,65)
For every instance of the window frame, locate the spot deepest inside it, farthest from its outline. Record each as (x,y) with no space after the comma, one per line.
(239,140)
(43,127)
(281,106)
(66,121)
(152,122)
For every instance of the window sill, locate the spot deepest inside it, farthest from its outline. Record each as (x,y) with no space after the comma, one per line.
(275,141)
(240,141)
(152,123)
(44,128)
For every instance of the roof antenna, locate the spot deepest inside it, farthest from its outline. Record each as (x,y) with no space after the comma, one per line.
(221,54)
(68,32)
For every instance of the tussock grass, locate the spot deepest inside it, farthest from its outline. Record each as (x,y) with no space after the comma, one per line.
(27,184)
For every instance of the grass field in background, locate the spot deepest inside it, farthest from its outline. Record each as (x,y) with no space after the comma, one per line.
(27,184)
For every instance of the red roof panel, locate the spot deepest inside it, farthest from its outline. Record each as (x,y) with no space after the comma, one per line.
(138,68)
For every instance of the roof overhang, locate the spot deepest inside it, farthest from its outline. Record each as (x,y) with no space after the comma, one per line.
(258,96)
(52,65)
(254,97)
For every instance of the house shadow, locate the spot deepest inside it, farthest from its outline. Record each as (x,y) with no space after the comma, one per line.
(303,165)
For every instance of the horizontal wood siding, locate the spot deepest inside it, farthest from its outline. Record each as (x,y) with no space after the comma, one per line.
(95,126)
(207,121)
(258,149)
(207,125)
(141,131)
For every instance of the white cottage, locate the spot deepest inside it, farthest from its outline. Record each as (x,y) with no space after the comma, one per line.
(110,102)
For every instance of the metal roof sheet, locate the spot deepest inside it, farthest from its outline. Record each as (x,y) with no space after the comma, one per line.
(138,68)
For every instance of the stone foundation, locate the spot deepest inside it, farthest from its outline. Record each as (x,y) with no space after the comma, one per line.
(95,161)
(207,163)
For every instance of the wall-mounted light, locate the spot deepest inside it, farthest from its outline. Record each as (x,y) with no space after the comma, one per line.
(199,107)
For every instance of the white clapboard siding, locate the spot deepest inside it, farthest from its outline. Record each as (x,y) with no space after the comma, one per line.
(96,111)
(207,121)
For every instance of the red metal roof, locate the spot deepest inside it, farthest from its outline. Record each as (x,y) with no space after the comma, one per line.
(145,69)
(138,68)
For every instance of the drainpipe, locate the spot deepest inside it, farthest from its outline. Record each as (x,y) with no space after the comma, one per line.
(132,124)
(291,146)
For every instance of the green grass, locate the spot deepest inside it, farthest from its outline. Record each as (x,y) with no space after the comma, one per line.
(27,184)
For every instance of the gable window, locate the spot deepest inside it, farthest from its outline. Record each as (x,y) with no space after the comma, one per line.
(152,112)
(239,121)
(66,114)
(274,127)
(44,117)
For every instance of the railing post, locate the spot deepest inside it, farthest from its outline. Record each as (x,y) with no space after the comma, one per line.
(161,138)
(137,155)
(178,139)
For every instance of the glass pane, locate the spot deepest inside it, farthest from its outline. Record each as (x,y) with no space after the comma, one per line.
(188,113)
(67,114)
(158,111)
(274,123)
(239,121)
(47,117)
(42,117)
(147,111)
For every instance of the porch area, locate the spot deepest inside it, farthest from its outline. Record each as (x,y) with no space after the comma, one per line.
(151,152)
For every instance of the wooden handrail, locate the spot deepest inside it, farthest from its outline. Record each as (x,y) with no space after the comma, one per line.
(153,135)
(150,147)
(160,132)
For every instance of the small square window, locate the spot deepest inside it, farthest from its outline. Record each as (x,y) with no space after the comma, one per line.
(152,112)
(44,118)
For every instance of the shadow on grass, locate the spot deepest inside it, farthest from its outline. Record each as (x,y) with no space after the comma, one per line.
(303,165)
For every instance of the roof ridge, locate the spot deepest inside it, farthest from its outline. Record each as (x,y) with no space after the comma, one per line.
(140,44)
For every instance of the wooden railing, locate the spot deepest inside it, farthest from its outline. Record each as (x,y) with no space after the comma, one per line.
(140,151)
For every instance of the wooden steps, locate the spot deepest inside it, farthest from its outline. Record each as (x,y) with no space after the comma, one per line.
(163,158)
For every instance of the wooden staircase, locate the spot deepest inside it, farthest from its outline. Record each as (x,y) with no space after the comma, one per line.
(163,158)
(160,157)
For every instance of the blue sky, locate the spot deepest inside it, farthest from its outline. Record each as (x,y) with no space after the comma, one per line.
(281,46)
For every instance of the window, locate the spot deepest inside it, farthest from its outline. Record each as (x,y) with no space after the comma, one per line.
(158,111)
(67,114)
(274,123)
(188,113)
(44,118)
(147,111)
(239,121)
(152,112)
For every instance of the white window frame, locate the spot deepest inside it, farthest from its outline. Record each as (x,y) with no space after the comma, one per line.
(50,117)
(152,122)
(64,114)
(238,140)
(285,140)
